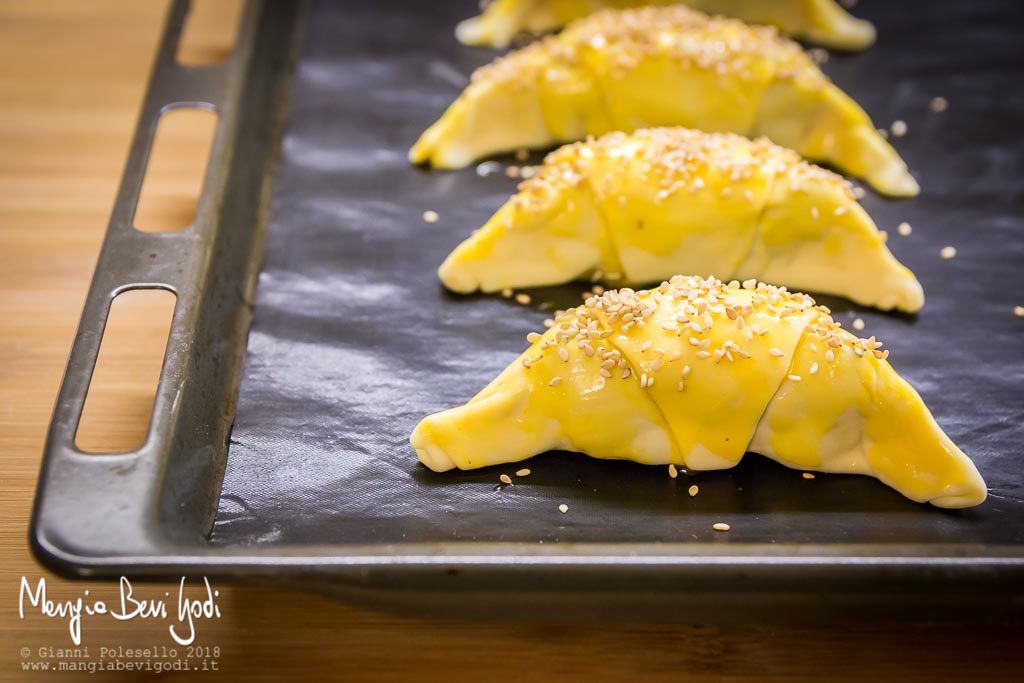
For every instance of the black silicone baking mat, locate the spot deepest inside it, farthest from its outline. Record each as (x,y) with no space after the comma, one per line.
(354,340)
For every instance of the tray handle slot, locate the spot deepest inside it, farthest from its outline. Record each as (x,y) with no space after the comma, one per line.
(119,402)
(211,31)
(175,170)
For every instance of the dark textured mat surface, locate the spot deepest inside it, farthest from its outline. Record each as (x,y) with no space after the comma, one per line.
(354,340)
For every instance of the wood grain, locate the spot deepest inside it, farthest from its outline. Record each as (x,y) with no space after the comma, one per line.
(71,80)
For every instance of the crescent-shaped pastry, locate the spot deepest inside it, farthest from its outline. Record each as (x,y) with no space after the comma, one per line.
(651,67)
(820,21)
(638,208)
(696,373)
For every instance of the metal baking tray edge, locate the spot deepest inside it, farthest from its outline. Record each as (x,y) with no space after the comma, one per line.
(147,513)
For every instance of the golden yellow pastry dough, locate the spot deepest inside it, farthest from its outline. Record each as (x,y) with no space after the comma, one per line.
(696,373)
(819,21)
(640,208)
(651,67)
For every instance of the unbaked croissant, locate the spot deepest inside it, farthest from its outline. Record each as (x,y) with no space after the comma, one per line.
(696,373)
(639,208)
(670,66)
(819,21)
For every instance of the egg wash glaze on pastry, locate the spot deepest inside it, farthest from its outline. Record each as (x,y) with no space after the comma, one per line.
(697,372)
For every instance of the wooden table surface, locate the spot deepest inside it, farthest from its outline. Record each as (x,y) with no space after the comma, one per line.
(72,76)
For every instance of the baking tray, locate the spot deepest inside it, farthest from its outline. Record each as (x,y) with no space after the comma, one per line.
(353,340)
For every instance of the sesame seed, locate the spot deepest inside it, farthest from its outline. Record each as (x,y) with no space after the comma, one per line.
(703,354)
(750,284)
(720,526)
(532,337)
(512,171)
(830,356)
(813,369)
(523,472)
(840,210)
(814,213)
(947,252)
(794,378)
(646,345)
(563,353)
(859,192)
(775,352)
(904,229)
(523,298)
(522,154)
(526,363)
(507,292)
(487,168)
(898,128)
(938,104)
(672,471)
(431,216)
(563,508)
(555,381)
(807,475)
(505,479)
(858,324)
(693,490)
(1018,311)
